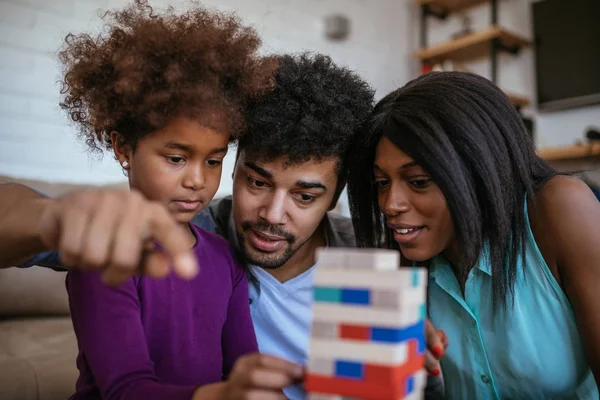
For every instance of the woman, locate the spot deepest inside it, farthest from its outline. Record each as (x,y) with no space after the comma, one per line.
(510,244)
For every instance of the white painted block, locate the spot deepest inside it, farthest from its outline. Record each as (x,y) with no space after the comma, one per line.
(366,352)
(324,329)
(321,365)
(417,394)
(420,379)
(337,313)
(401,279)
(319,396)
(363,259)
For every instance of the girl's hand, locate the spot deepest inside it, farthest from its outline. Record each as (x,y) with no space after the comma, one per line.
(437,342)
(261,377)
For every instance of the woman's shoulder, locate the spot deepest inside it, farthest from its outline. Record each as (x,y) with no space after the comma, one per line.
(560,197)
(560,207)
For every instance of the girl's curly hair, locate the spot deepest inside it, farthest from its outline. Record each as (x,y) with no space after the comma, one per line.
(148,68)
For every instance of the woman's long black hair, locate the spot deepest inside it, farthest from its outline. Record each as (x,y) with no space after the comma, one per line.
(464,132)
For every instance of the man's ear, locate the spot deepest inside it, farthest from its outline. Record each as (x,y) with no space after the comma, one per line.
(338,192)
(122,151)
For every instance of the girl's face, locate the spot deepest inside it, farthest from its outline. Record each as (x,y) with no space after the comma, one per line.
(413,205)
(178,166)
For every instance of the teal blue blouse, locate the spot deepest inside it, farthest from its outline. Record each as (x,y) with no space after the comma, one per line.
(531,351)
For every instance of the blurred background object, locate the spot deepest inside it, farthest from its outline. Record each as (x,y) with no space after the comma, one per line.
(539,52)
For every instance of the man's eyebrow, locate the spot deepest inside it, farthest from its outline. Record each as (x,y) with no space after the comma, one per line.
(310,185)
(258,170)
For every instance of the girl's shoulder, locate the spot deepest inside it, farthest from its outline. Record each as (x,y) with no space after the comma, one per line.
(215,246)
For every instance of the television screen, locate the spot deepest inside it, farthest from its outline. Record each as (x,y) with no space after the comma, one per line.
(567,53)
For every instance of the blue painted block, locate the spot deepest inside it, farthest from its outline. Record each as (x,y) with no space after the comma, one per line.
(409,385)
(349,369)
(388,335)
(422,312)
(324,294)
(415,277)
(398,335)
(356,296)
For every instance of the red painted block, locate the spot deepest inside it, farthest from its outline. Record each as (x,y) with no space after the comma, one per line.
(355,332)
(353,388)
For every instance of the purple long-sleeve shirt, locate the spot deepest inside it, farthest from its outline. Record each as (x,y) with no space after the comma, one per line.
(161,338)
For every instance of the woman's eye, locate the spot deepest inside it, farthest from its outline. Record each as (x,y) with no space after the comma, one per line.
(420,183)
(214,163)
(381,184)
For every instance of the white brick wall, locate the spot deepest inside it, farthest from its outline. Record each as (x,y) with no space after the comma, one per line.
(37,142)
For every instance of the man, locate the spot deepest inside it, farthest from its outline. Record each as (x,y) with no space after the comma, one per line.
(289,173)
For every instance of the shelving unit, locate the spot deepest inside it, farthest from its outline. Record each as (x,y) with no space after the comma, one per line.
(570,153)
(473,46)
(448,6)
(484,43)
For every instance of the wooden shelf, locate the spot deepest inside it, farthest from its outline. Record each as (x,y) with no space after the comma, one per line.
(449,6)
(470,47)
(580,151)
(518,100)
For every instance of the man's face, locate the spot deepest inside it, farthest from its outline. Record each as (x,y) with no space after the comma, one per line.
(277,207)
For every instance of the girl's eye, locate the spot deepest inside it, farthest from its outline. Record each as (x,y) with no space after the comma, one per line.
(175,159)
(420,183)
(214,163)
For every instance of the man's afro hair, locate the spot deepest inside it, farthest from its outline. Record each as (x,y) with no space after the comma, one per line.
(313,113)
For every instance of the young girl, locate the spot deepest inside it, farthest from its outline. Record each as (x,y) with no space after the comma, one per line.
(166,93)
(446,172)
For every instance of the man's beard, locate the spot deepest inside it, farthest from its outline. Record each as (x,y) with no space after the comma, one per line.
(262,259)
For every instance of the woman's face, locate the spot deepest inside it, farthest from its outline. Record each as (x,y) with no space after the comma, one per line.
(413,205)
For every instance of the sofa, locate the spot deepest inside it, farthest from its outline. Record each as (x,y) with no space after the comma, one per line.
(37,345)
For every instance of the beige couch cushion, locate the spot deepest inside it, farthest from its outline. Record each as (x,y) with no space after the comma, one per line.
(53,189)
(32,291)
(37,358)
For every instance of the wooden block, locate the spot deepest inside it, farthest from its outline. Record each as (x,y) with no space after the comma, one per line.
(320,396)
(362,259)
(369,352)
(321,366)
(336,313)
(354,332)
(324,330)
(352,388)
(401,279)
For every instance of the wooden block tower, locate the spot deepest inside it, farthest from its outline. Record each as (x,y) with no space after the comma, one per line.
(368,330)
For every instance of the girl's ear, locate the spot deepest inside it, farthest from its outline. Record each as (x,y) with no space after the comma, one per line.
(121,150)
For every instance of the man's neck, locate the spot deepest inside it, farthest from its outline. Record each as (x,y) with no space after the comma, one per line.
(303,259)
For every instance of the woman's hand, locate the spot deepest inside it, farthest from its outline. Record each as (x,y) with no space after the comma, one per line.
(437,342)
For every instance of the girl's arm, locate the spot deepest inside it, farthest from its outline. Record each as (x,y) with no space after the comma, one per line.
(109,331)
(572,221)
(238,336)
